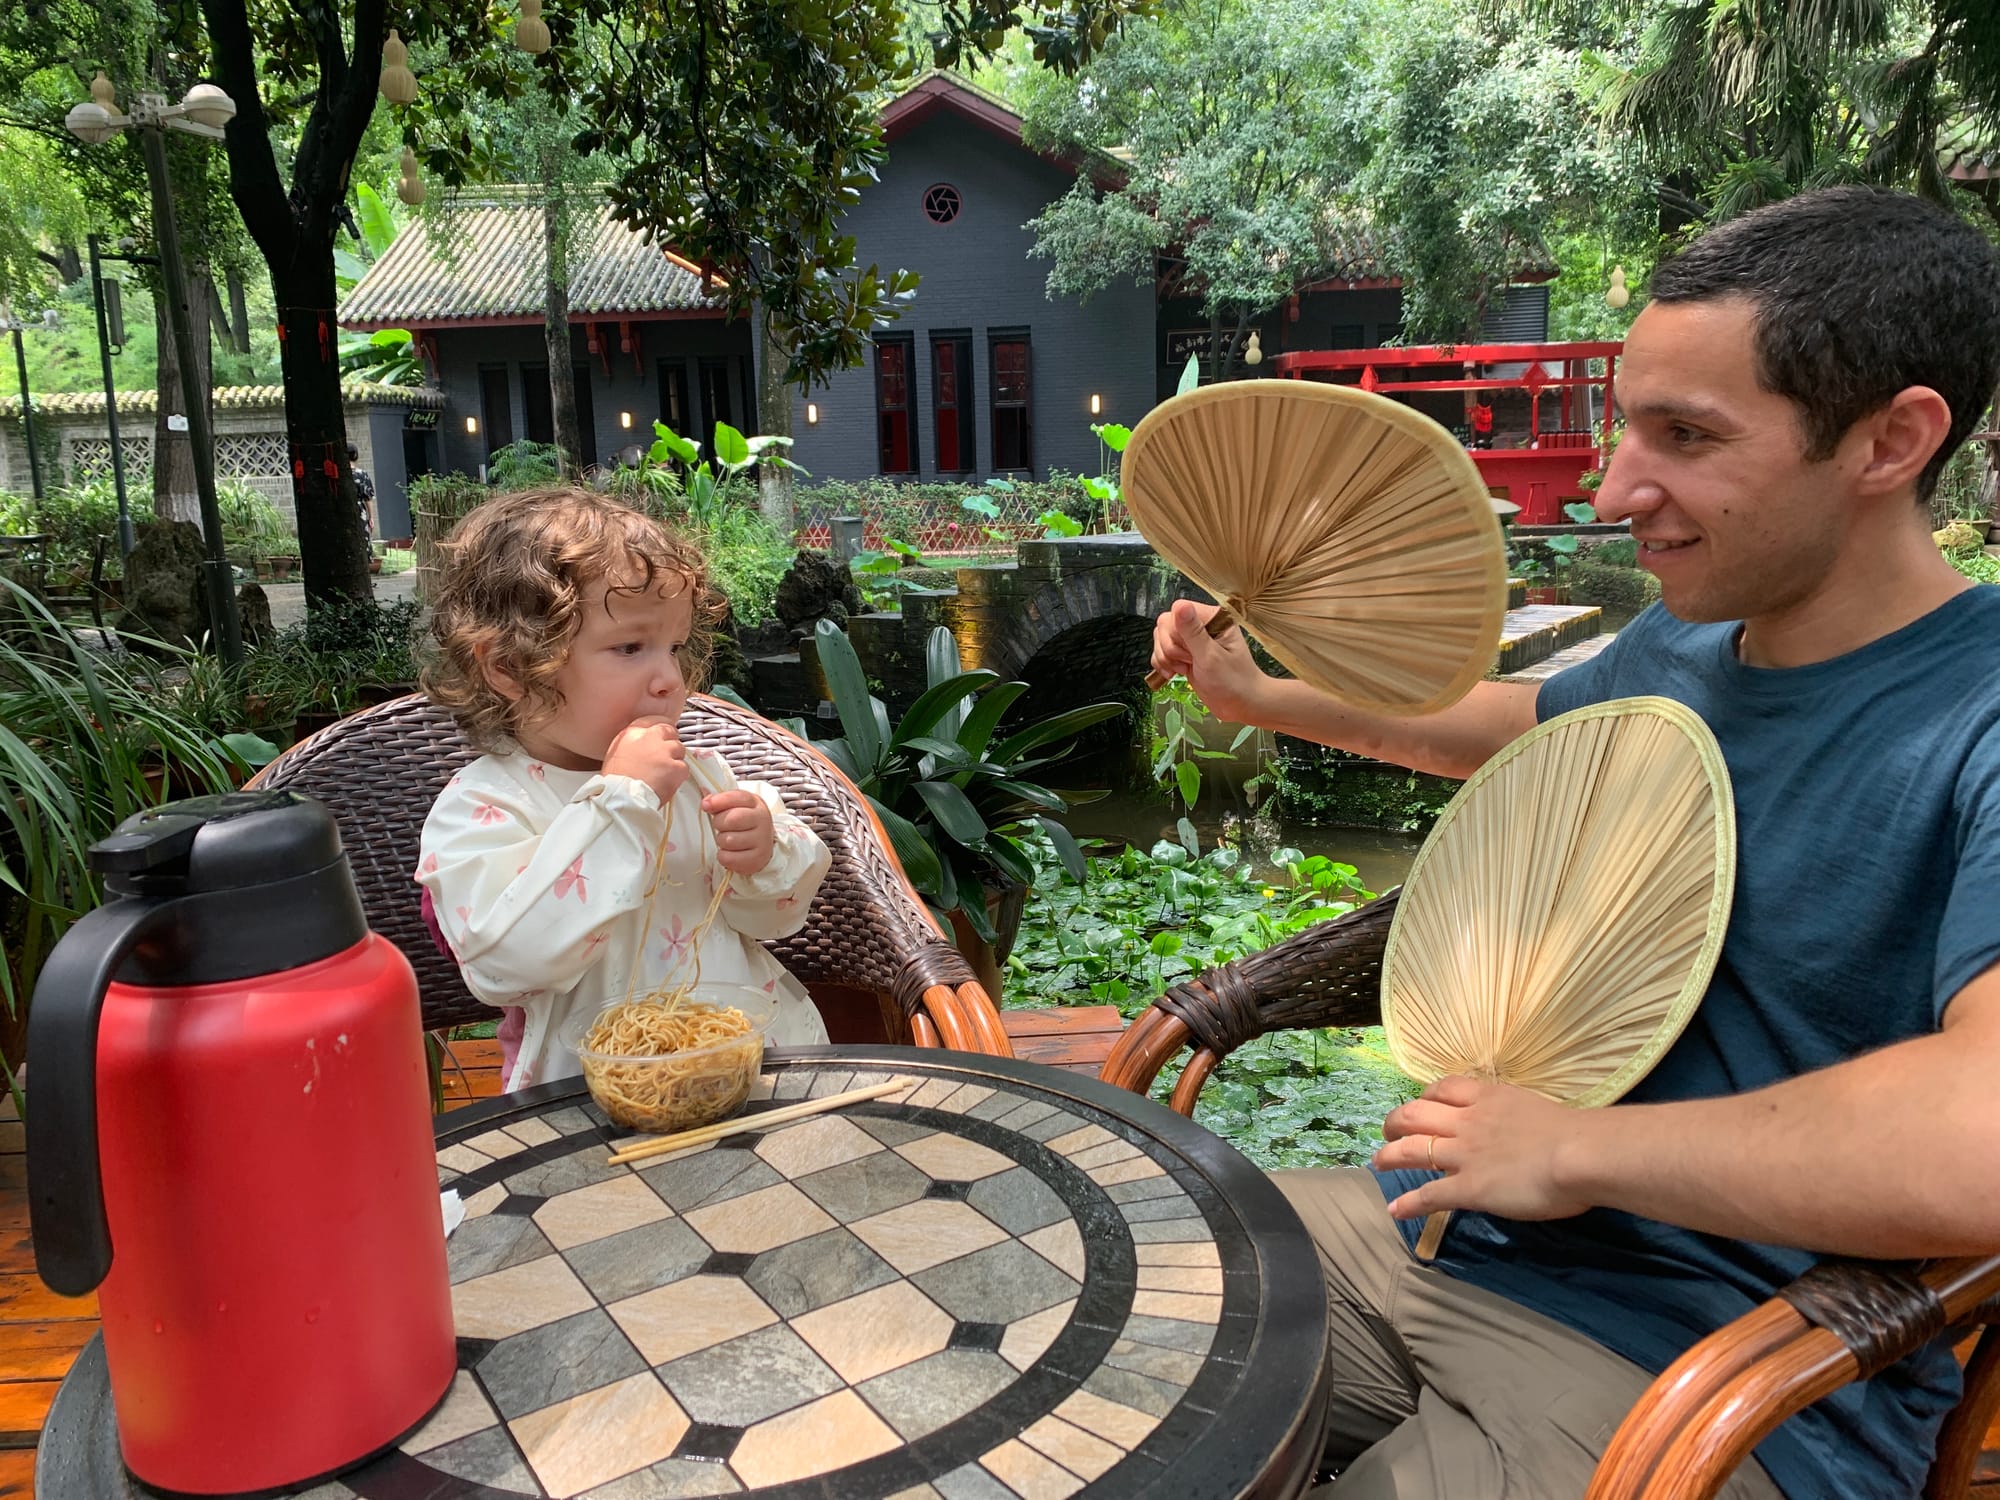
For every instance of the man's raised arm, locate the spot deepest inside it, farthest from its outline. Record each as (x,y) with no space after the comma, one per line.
(1454,742)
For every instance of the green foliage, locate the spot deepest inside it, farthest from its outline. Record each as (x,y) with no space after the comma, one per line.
(1977,566)
(1741,102)
(251,524)
(949,786)
(387,356)
(72,518)
(337,658)
(1330,788)
(746,559)
(66,358)
(1302,1098)
(1486,150)
(1964,546)
(1236,127)
(85,742)
(523,465)
(1142,921)
(1177,746)
(1962,493)
(673,483)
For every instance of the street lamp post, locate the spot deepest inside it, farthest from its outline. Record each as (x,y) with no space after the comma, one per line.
(126,540)
(204,112)
(16,327)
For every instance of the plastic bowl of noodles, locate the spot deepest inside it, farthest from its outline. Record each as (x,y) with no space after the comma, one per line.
(667,1064)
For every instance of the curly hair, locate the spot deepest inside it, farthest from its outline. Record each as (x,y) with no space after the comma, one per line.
(511,594)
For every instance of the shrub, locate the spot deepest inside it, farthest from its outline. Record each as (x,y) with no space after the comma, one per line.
(524,465)
(746,559)
(251,524)
(74,518)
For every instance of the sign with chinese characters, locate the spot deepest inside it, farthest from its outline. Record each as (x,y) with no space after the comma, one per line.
(1181,342)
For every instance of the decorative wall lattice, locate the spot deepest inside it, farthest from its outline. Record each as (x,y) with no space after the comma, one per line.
(90,459)
(251,456)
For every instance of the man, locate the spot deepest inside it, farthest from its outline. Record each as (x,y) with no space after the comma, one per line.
(1482,423)
(364,492)
(1790,394)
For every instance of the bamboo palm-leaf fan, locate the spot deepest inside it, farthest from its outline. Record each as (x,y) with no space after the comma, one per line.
(1352,536)
(1561,923)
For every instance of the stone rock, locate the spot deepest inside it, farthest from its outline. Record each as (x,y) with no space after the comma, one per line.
(163,595)
(817,586)
(253,607)
(1959,536)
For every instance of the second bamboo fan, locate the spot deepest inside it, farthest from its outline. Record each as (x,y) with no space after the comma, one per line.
(1349,534)
(1560,925)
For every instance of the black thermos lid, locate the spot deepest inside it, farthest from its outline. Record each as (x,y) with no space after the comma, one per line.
(258,881)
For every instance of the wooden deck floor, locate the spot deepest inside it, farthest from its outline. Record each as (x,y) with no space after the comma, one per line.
(41,1333)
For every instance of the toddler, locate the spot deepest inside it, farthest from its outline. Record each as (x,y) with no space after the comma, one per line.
(569,629)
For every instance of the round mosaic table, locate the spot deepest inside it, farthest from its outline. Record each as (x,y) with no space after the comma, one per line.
(1004,1282)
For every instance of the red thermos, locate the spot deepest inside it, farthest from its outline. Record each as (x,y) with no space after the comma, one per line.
(229,1136)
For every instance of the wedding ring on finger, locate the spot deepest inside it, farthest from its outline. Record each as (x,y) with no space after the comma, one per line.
(1431,1152)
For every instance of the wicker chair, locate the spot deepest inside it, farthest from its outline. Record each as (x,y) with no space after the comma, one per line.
(868,934)
(1840,1322)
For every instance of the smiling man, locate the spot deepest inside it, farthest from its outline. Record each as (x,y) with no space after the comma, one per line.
(1791,394)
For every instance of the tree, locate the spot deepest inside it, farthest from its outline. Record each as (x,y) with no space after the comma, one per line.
(1234,126)
(47,57)
(526,140)
(1485,154)
(1741,102)
(739,131)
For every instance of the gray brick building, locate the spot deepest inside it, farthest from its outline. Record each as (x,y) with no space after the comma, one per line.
(984,375)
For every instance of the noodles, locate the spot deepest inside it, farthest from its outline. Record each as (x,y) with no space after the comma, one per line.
(667,1061)
(672,1064)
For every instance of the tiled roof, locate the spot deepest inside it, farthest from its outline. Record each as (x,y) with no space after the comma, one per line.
(1352,251)
(494,272)
(226,398)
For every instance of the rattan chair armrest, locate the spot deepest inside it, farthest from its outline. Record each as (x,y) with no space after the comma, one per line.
(1328,975)
(1840,1322)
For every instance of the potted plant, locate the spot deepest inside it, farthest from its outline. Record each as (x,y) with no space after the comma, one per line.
(952,792)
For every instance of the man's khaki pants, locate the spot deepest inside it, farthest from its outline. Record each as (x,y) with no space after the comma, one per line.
(1443,1391)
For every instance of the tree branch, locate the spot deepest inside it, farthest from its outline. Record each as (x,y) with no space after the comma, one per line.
(254,182)
(339,118)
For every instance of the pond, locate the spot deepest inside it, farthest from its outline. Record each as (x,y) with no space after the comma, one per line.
(1138,811)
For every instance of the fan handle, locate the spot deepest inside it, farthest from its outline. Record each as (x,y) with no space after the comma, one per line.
(1218,622)
(1433,1235)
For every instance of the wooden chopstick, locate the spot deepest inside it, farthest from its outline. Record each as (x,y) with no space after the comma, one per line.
(785,1114)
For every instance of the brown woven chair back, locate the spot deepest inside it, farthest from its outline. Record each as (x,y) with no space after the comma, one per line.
(1328,975)
(379,771)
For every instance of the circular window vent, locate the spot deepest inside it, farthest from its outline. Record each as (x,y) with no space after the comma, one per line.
(941,203)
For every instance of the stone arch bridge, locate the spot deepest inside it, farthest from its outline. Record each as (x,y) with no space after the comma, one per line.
(1072,617)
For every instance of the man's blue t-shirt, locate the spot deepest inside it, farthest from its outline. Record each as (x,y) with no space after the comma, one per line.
(1867,895)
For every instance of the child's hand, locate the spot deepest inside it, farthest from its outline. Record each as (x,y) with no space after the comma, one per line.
(744,837)
(650,750)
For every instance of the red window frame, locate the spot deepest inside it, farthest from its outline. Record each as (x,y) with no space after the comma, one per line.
(895,438)
(1013,421)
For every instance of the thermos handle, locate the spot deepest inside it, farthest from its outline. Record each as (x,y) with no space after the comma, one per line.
(65,1180)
